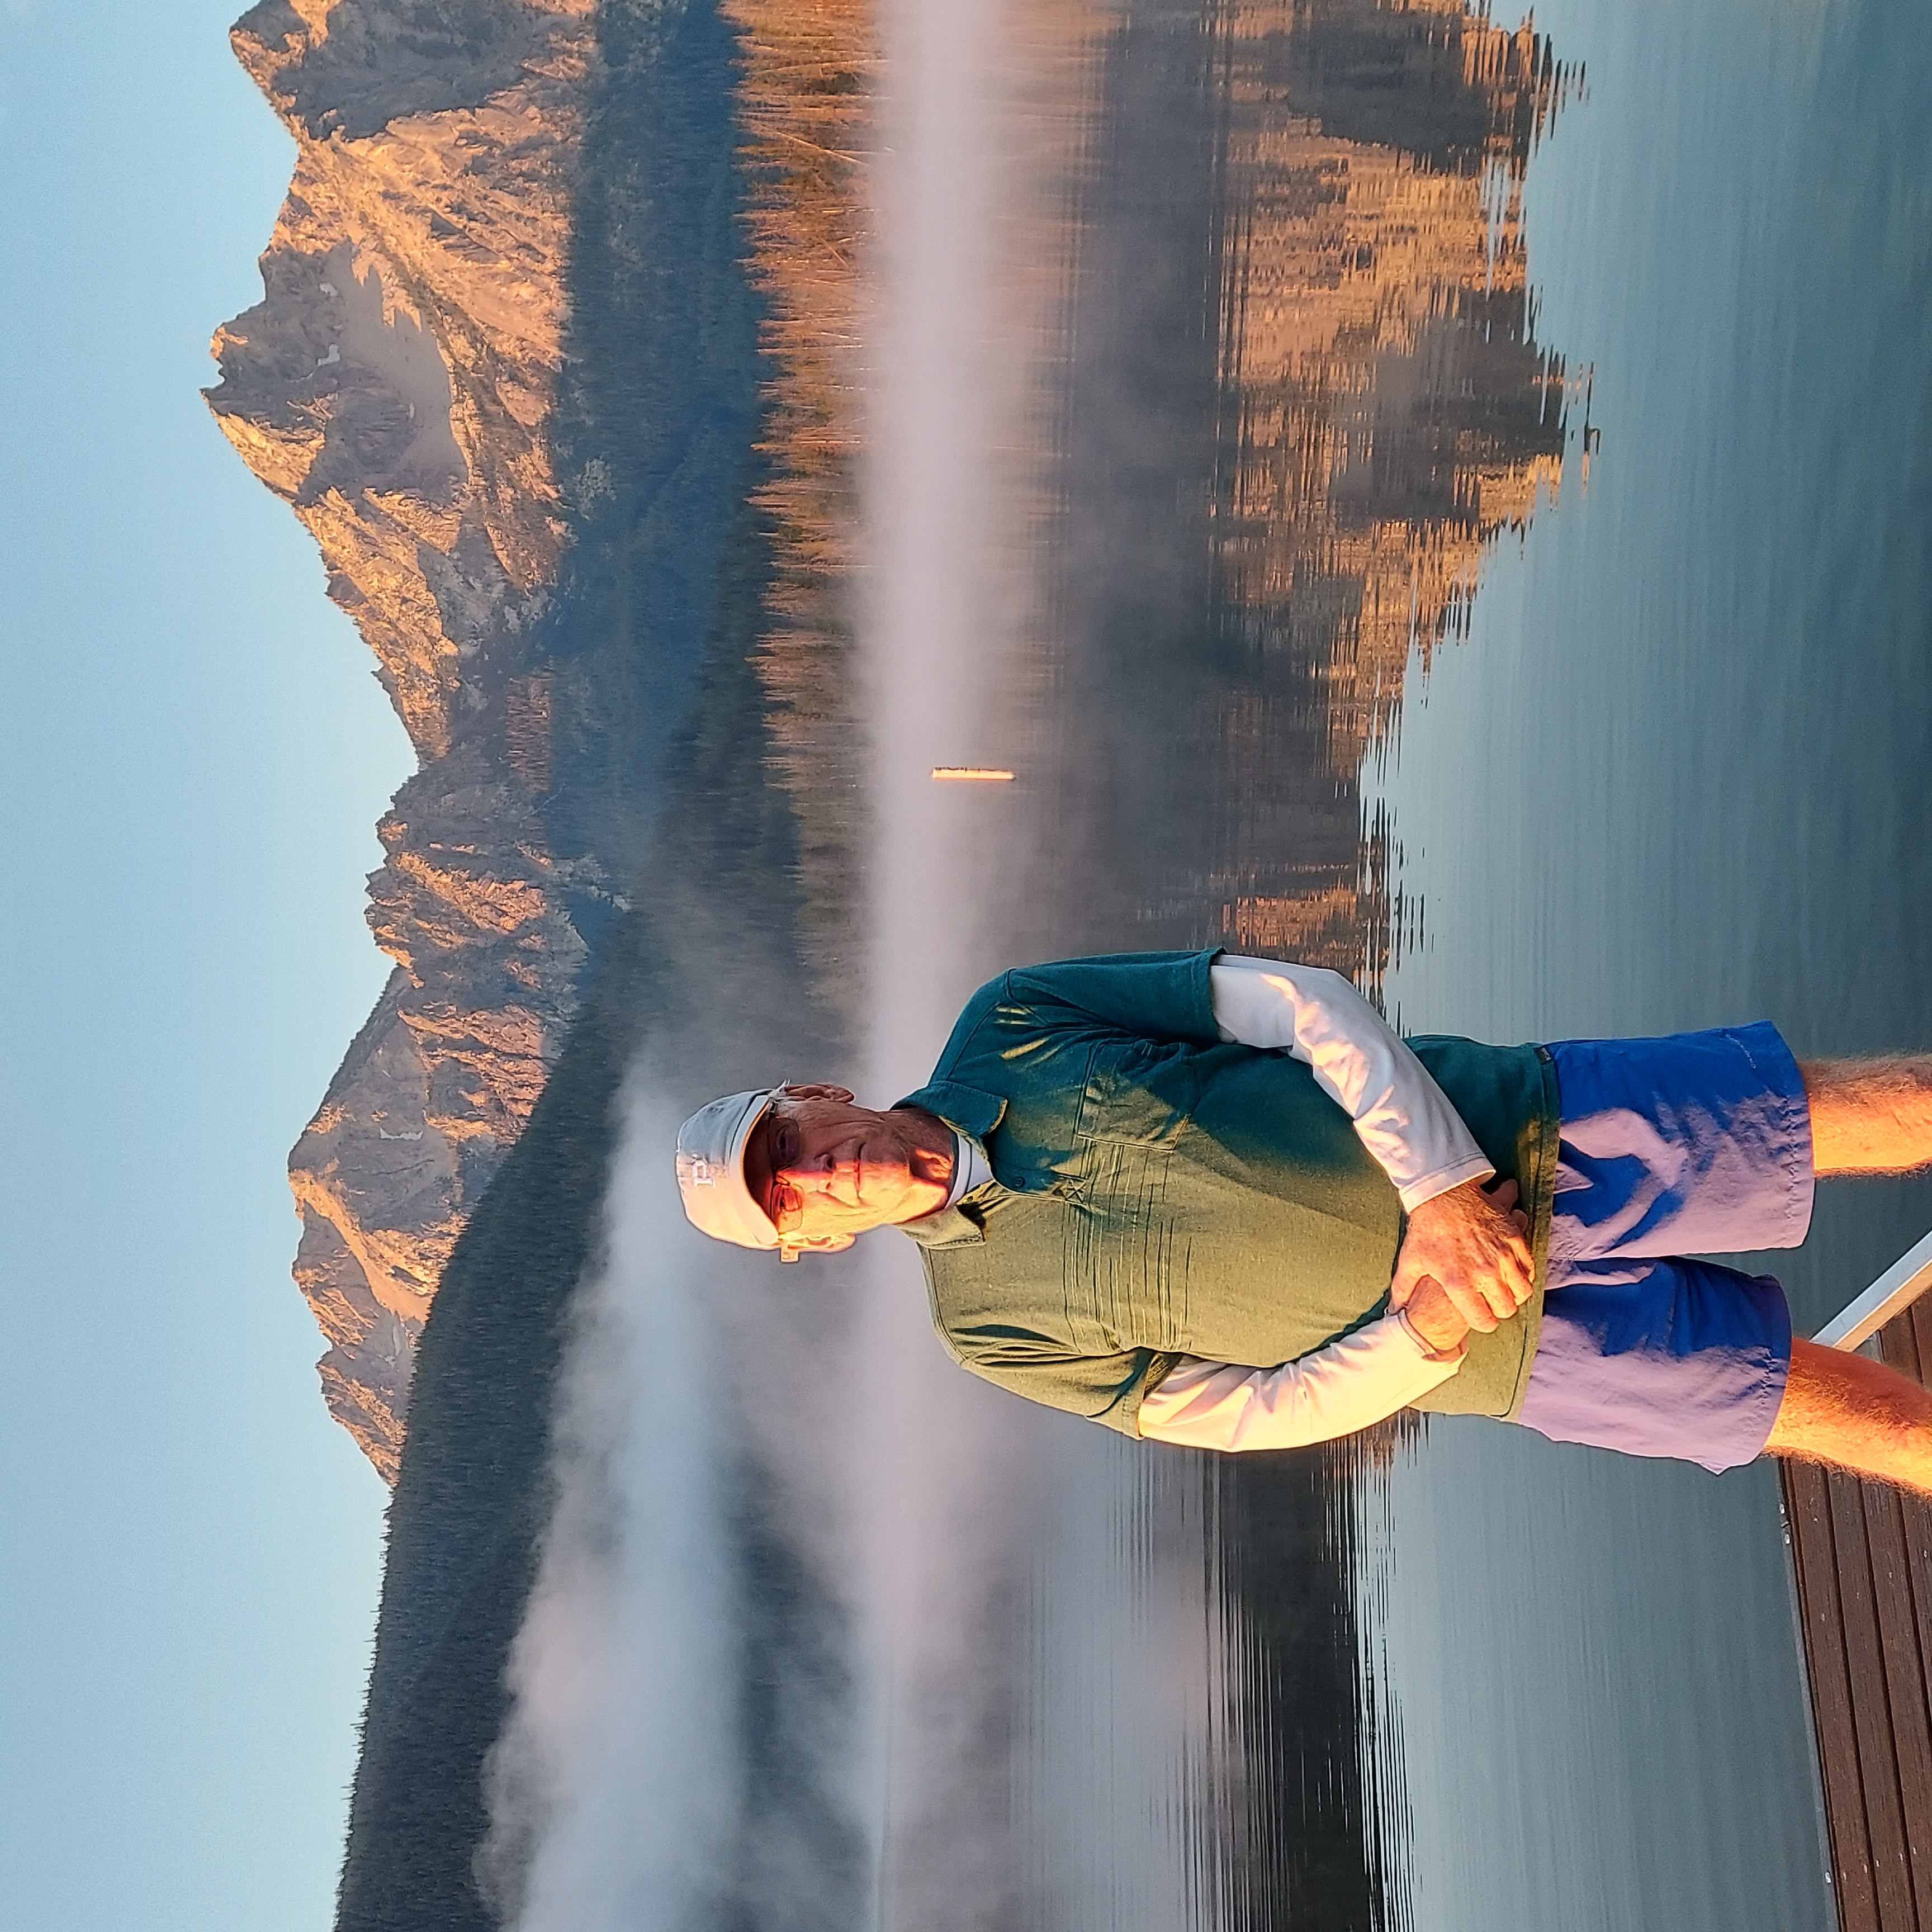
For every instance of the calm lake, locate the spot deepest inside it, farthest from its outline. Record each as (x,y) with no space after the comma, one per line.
(1484,542)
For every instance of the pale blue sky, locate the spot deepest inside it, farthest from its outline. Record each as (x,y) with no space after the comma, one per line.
(194,757)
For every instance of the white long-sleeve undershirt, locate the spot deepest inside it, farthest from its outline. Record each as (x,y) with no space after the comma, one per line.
(1401,1117)
(1405,1122)
(1361,1379)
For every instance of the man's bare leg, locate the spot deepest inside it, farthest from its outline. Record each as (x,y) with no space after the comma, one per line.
(1855,1414)
(1869,1116)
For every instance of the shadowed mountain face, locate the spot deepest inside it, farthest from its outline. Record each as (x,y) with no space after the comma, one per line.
(354,67)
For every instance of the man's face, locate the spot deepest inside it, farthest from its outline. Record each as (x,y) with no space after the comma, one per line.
(825,1170)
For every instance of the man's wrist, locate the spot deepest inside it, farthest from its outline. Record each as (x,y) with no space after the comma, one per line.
(1430,1187)
(1453,1352)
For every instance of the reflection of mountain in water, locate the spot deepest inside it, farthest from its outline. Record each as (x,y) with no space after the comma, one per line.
(1392,412)
(1299,392)
(1314,402)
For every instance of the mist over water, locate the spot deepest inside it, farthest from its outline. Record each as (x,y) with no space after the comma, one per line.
(933,1470)
(616,1787)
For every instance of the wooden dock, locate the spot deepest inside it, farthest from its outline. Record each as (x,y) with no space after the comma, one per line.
(1862,1555)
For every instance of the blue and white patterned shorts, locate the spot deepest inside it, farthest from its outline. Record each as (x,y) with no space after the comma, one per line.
(1698,1141)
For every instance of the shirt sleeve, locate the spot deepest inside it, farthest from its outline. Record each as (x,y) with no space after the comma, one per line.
(1401,1117)
(1108,1389)
(1158,995)
(1362,1378)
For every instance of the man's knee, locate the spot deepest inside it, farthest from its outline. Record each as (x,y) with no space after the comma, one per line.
(1835,1401)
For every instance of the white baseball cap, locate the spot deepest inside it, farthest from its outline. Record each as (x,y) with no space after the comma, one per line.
(711,1170)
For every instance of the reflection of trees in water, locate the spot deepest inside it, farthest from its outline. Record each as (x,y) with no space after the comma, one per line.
(804,97)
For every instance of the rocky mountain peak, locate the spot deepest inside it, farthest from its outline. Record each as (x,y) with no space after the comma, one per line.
(394,386)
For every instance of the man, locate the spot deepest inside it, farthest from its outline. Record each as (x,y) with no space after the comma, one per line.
(1217,1201)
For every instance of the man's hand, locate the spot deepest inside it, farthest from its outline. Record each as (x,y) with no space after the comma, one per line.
(1437,1319)
(1475,1245)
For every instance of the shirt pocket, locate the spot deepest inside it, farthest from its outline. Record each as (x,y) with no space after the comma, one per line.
(1126,1281)
(1139,1093)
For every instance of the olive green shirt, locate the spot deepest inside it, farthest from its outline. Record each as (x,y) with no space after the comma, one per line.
(1159,1193)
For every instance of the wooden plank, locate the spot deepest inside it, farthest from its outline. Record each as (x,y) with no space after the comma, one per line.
(1862,1556)
(1907,1342)
(1916,1514)
(1917,1321)
(1899,1345)
(1871,1715)
(1905,1683)
(1814,1556)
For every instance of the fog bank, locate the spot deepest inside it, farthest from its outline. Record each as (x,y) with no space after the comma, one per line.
(613,1794)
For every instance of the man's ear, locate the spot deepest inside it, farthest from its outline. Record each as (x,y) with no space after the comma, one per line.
(843,1095)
